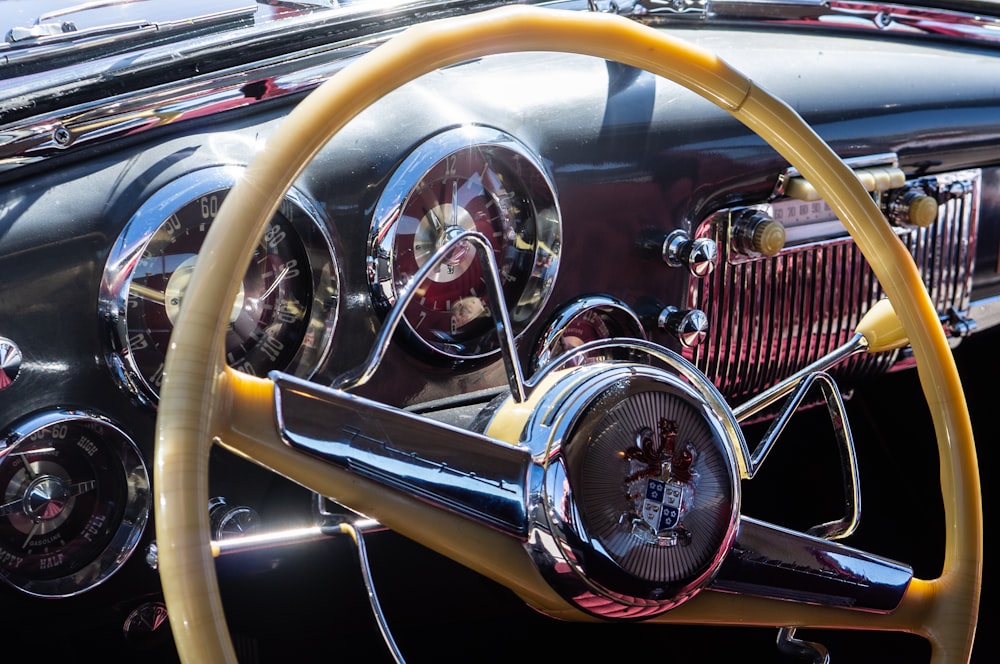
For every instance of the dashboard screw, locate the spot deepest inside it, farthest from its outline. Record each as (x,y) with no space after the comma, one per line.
(62,136)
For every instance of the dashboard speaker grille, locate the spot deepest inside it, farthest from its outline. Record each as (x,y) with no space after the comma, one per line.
(770,317)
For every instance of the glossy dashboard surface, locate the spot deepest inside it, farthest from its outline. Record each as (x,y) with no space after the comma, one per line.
(566,164)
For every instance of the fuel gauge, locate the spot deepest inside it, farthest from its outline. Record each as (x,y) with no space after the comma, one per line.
(74,500)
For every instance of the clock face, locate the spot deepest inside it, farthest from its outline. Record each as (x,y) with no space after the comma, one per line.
(494,190)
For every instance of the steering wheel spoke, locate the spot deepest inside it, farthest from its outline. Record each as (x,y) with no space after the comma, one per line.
(770,561)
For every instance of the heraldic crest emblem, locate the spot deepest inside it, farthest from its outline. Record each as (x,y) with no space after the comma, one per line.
(660,484)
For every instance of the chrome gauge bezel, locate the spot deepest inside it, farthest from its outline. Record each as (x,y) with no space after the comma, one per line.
(299,212)
(527,254)
(54,430)
(604,316)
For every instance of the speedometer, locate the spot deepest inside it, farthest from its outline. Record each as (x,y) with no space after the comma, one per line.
(469,179)
(284,312)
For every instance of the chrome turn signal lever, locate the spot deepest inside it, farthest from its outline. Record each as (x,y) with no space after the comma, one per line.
(878,331)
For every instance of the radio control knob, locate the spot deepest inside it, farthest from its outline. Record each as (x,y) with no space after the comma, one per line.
(754,232)
(912,207)
(699,255)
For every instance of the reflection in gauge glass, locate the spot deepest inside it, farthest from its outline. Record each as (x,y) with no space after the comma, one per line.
(75,500)
(284,312)
(585,319)
(469,179)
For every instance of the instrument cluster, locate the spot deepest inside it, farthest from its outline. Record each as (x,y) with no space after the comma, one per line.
(76,486)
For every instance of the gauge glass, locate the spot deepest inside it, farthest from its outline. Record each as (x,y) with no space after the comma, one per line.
(74,499)
(466,180)
(583,320)
(283,314)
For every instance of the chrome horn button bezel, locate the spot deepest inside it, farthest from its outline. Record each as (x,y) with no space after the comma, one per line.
(592,530)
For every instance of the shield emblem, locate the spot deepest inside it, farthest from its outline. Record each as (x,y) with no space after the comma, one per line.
(663,504)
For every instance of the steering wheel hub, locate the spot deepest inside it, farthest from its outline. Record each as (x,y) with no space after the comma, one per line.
(641,489)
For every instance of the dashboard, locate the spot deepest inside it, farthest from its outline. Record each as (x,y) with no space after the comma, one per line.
(561,199)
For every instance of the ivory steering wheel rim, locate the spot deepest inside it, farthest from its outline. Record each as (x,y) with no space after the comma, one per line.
(200,394)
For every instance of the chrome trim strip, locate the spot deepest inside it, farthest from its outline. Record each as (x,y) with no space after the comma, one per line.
(882,18)
(129,115)
(336,36)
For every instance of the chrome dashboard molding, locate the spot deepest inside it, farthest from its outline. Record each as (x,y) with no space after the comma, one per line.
(35,136)
(884,18)
(130,115)
(37,124)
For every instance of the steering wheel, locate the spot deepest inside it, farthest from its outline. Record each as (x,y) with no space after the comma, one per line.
(204,402)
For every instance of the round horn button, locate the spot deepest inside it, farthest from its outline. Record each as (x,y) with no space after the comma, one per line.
(642,495)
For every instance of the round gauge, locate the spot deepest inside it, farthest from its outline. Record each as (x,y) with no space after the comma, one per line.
(74,499)
(283,315)
(470,179)
(585,319)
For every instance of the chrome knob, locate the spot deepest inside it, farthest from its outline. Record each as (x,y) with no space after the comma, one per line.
(689,326)
(912,207)
(700,255)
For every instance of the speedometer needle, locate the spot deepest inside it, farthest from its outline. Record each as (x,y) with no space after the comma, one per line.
(277,280)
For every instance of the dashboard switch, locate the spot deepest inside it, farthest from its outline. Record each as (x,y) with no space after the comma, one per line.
(700,255)
(688,326)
